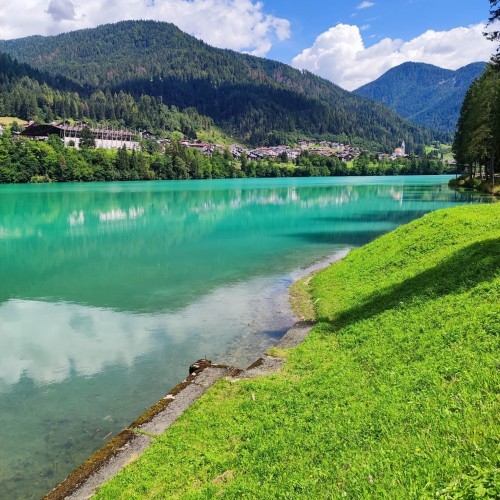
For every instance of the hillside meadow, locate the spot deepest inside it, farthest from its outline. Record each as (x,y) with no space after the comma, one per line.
(394,394)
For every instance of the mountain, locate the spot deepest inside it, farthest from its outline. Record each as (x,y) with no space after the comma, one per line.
(29,93)
(11,70)
(423,93)
(253,98)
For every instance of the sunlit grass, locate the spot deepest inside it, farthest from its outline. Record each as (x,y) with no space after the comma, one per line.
(6,121)
(393,395)
(216,136)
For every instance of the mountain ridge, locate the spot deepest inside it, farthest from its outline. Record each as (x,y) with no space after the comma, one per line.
(423,93)
(254,98)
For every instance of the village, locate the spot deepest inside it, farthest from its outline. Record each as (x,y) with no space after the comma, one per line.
(287,153)
(110,138)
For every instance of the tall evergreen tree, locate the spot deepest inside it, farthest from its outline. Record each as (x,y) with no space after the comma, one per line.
(477,139)
(495,34)
(87,139)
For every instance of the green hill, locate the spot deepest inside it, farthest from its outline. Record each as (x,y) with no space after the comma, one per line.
(392,395)
(29,93)
(423,93)
(11,71)
(249,97)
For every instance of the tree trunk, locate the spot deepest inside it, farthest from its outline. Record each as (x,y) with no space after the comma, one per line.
(492,168)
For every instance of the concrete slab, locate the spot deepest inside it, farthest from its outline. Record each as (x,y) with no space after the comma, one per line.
(102,465)
(267,365)
(133,441)
(125,455)
(201,381)
(295,335)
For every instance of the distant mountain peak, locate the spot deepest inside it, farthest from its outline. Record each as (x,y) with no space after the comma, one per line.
(423,93)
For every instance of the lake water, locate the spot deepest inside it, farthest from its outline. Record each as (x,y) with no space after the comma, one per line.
(108,292)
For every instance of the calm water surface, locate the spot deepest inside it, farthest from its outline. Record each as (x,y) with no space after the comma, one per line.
(109,291)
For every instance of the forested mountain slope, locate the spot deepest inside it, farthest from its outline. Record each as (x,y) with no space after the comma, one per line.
(253,98)
(29,93)
(11,71)
(423,93)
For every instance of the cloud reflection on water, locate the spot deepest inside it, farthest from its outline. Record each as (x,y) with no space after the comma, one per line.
(49,342)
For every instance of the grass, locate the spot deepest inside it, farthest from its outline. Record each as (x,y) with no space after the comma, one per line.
(444,149)
(301,300)
(393,395)
(6,121)
(216,136)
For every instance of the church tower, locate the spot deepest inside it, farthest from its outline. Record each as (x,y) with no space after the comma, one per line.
(403,150)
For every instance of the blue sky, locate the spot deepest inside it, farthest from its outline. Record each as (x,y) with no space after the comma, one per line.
(349,42)
(404,19)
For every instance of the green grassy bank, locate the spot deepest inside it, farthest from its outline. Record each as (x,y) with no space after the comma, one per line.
(393,395)
(465,181)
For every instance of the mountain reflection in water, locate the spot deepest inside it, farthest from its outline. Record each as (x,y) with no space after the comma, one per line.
(109,291)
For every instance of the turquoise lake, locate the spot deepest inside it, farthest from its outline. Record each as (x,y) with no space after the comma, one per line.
(108,292)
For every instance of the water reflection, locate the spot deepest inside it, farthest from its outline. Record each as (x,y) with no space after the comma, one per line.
(83,341)
(145,248)
(89,372)
(109,291)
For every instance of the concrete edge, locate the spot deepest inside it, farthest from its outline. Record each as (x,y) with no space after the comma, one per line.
(130,443)
(267,364)
(92,464)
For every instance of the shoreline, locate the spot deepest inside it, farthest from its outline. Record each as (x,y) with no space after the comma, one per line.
(377,329)
(134,440)
(465,183)
(391,394)
(331,210)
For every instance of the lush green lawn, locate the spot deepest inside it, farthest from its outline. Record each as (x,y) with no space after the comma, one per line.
(393,395)
(216,136)
(5,121)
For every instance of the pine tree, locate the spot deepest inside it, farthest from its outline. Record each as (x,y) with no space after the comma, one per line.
(87,139)
(477,140)
(494,35)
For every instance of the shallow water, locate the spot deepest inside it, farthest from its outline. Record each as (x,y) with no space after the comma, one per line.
(108,292)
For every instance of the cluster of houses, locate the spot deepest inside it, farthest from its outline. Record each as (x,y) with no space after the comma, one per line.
(399,152)
(110,138)
(342,151)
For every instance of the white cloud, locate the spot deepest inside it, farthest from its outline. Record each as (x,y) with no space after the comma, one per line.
(365,5)
(340,55)
(60,10)
(234,24)
(47,341)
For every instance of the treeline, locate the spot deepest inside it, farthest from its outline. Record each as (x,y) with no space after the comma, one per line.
(477,140)
(25,161)
(415,165)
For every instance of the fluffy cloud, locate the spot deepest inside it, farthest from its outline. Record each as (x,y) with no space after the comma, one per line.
(340,55)
(365,5)
(234,24)
(60,10)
